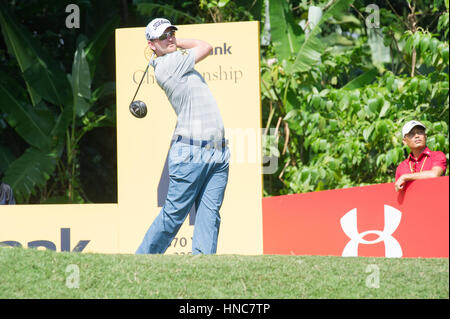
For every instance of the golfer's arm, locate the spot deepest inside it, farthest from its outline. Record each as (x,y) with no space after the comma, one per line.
(202,48)
(434,172)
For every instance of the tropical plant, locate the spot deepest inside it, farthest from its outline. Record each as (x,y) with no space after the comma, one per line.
(335,90)
(154,9)
(201,11)
(338,108)
(51,110)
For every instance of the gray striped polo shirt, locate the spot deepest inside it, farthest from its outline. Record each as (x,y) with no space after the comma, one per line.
(198,116)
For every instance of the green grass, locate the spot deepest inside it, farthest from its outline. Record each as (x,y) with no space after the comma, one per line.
(27,273)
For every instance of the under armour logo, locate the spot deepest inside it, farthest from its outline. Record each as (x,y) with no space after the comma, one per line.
(392,218)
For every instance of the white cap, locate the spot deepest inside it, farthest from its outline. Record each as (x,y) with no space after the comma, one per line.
(409,126)
(156,28)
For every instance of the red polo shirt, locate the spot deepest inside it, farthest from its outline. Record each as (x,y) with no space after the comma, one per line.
(426,161)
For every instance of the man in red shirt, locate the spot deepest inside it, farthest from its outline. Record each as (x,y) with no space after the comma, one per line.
(421,163)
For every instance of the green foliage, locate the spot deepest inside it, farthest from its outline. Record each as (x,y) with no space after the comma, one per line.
(284,35)
(336,91)
(50,113)
(200,11)
(431,51)
(227,11)
(149,8)
(339,110)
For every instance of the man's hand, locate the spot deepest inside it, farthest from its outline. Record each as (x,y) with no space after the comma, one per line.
(400,183)
(436,171)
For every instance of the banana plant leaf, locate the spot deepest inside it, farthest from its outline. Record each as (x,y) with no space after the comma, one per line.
(44,78)
(285,33)
(43,126)
(95,47)
(6,158)
(362,80)
(33,124)
(81,81)
(312,47)
(48,81)
(16,47)
(29,171)
(380,53)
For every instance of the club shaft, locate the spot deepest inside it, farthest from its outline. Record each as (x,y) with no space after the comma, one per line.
(145,72)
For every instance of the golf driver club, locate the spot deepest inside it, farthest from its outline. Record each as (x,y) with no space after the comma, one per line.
(139,108)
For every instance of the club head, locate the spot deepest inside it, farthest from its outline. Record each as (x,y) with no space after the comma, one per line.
(138,109)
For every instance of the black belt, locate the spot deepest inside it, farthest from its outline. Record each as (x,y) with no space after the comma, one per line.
(202,143)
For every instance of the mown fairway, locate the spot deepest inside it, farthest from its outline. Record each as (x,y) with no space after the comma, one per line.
(27,273)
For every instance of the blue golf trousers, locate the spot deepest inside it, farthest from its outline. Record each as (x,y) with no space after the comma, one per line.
(196,175)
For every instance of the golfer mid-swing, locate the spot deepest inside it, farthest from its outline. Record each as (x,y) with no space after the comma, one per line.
(198,159)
